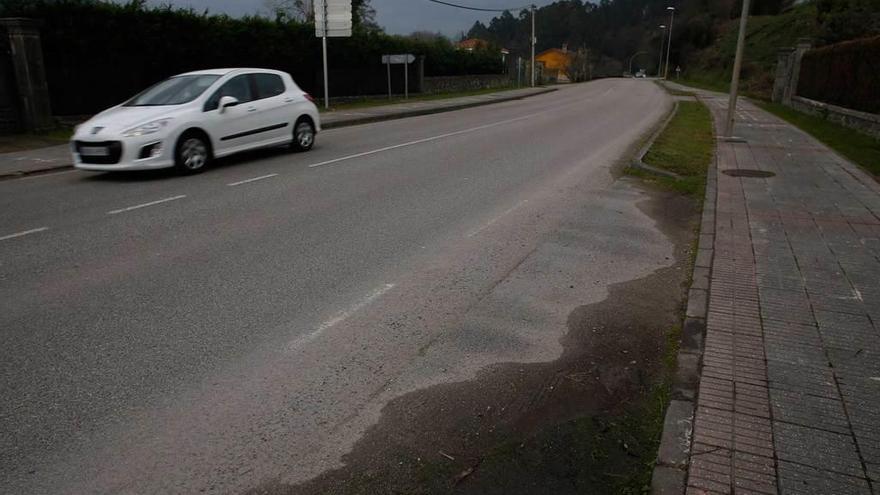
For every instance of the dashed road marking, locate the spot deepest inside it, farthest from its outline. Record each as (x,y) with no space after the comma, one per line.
(24,233)
(144,205)
(248,181)
(340,317)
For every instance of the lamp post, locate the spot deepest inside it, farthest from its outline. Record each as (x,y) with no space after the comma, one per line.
(737,65)
(669,43)
(662,38)
(534,40)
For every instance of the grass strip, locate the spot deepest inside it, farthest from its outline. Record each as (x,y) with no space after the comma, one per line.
(862,149)
(685,147)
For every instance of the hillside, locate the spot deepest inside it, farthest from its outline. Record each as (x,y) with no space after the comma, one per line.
(711,67)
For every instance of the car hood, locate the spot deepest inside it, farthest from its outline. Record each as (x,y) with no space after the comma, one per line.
(120,118)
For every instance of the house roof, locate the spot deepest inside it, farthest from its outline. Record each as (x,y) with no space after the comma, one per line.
(473,43)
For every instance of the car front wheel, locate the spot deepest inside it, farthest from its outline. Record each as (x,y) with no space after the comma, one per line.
(303,135)
(192,154)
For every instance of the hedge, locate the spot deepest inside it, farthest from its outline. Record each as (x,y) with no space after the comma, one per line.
(846,74)
(98,53)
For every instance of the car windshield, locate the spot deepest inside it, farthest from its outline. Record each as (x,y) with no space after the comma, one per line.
(174,91)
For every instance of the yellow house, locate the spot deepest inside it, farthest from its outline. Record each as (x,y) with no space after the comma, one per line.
(556,63)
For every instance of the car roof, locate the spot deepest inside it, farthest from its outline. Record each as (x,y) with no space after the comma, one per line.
(223,72)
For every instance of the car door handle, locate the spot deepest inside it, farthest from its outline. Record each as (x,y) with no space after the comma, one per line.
(289,100)
(252,109)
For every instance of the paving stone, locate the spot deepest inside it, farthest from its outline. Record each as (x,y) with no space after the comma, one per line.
(809,410)
(817,448)
(797,479)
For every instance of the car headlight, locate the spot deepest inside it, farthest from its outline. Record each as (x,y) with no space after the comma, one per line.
(148,128)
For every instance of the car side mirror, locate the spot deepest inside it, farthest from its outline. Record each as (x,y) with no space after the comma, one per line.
(226,102)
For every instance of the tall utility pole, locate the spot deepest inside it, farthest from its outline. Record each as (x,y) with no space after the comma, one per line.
(324,41)
(662,39)
(737,65)
(669,44)
(534,40)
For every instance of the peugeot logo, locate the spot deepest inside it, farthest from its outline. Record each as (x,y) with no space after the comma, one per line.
(96,130)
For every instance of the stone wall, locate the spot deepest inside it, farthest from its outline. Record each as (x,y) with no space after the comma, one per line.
(788,70)
(869,123)
(448,84)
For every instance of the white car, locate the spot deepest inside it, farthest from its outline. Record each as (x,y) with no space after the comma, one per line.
(189,119)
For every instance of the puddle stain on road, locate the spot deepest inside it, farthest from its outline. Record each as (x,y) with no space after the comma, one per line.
(573,425)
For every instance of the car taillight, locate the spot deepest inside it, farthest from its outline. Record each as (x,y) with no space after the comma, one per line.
(309,97)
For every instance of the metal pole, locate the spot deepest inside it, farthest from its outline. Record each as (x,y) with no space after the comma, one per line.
(326,79)
(660,62)
(389,76)
(534,40)
(737,65)
(669,44)
(405,79)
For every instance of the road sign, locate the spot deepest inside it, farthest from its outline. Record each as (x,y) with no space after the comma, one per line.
(406,58)
(332,20)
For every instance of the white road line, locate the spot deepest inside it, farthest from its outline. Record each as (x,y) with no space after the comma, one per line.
(248,181)
(499,217)
(425,140)
(151,203)
(22,234)
(339,318)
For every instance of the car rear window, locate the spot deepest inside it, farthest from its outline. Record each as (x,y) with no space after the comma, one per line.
(268,85)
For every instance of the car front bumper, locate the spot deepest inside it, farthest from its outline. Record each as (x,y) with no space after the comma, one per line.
(120,153)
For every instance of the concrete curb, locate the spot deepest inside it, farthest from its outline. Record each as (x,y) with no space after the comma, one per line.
(639,163)
(670,471)
(330,125)
(429,111)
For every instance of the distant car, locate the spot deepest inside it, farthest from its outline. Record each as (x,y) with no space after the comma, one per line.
(641,73)
(188,120)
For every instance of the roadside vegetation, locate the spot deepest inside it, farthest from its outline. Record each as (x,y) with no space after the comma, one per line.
(10,143)
(860,148)
(686,148)
(710,68)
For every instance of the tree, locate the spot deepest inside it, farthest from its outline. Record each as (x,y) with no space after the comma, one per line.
(297,10)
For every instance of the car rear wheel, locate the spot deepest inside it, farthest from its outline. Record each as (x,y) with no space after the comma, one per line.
(192,154)
(303,135)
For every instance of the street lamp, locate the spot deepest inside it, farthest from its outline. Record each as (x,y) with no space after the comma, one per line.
(669,44)
(662,38)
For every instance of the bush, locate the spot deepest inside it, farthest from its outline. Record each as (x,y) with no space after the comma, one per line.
(845,74)
(98,53)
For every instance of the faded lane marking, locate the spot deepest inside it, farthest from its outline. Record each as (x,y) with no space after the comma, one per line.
(425,140)
(339,318)
(248,181)
(499,217)
(22,234)
(144,205)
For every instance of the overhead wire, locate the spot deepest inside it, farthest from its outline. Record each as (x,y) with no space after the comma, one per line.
(480,9)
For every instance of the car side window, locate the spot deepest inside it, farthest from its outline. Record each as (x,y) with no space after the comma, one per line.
(268,85)
(238,87)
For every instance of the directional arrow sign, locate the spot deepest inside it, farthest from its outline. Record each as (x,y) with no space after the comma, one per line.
(407,58)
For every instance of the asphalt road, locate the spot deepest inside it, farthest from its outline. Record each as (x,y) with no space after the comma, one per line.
(176,334)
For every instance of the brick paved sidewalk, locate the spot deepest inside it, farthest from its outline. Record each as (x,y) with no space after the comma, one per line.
(789,395)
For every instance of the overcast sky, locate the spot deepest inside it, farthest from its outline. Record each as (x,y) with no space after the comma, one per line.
(396,16)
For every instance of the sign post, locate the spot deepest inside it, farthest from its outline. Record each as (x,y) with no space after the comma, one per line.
(333,20)
(404,59)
